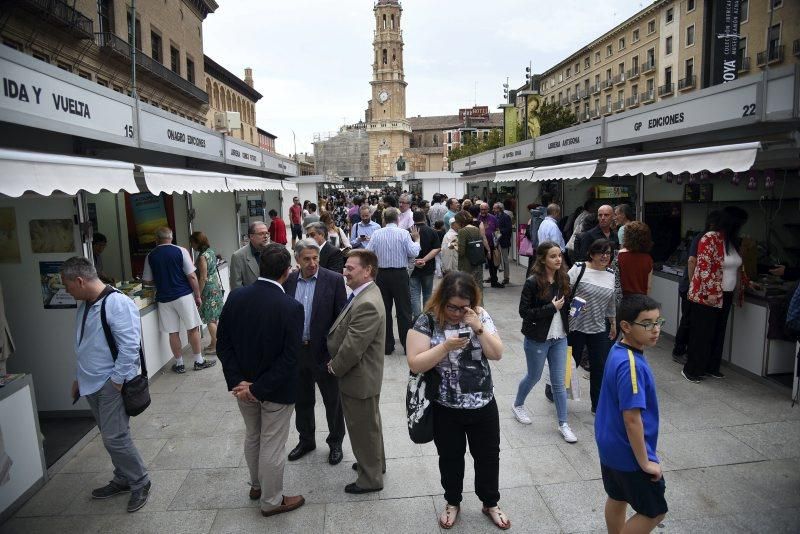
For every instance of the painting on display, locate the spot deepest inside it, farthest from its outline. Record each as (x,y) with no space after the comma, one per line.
(54,294)
(9,241)
(149,215)
(52,235)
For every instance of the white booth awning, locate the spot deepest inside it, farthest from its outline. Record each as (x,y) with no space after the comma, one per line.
(514,175)
(736,158)
(475,178)
(22,171)
(246,183)
(566,171)
(170,180)
(289,186)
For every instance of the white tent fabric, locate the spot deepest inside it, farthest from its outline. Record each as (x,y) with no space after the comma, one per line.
(289,186)
(737,158)
(475,178)
(246,183)
(566,171)
(514,175)
(170,180)
(22,171)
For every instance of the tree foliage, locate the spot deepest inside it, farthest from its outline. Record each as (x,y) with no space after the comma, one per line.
(553,117)
(471,145)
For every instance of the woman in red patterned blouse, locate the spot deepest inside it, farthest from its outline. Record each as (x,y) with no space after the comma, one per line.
(716,277)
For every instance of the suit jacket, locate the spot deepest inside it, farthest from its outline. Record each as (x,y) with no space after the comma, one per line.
(584,240)
(244,267)
(260,330)
(331,258)
(356,343)
(329,299)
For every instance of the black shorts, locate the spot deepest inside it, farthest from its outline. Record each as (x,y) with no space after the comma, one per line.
(297,231)
(637,489)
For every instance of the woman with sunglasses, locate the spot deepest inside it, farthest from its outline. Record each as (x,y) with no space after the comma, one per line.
(458,338)
(595,326)
(544,325)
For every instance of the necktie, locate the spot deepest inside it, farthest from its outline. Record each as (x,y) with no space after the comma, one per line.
(350,298)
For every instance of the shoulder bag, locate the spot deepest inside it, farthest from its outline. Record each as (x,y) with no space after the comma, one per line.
(422,389)
(135,392)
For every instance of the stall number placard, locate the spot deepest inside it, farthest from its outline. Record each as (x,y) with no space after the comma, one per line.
(158,130)
(34,93)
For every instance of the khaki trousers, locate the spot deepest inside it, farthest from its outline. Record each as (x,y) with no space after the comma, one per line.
(363,419)
(267,429)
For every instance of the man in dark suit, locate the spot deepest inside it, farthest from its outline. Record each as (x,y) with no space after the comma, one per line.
(356,342)
(330,257)
(605,214)
(244,262)
(260,331)
(322,294)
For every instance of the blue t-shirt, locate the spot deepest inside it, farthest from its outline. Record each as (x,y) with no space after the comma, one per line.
(168,265)
(625,388)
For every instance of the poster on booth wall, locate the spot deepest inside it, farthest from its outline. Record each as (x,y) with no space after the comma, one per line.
(149,215)
(52,235)
(54,293)
(9,240)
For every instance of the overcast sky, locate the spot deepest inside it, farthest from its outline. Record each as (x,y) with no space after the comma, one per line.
(312,58)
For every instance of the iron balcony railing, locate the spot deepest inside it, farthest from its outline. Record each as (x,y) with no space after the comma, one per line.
(576,97)
(63,14)
(619,78)
(796,47)
(111,42)
(632,101)
(666,89)
(744,64)
(632,73)
(687,83)
(607,83)
(619,105)
(595,89)
(773,55)
(649,66)
(608,109)
(647,97)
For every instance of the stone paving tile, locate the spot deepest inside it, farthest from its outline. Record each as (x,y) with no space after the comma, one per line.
(209,489)
(773,440)
(94,458)
(175,425)
(577,506)
(306,519)
(146,522)
(165,485)
(174,402)
(194,452)
(548,464)
(399,515)
(524,507)
(784,522)
(702,448)
(56,496)
(323,483)
(41,525)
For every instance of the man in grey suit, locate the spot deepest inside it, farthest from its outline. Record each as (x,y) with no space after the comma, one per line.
(356,342)
(244,262)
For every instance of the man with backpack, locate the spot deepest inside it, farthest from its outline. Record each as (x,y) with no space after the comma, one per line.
(538,215)
(100,377)
(471,245)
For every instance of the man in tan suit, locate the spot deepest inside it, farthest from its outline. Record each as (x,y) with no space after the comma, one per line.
(245,261)
(356,342)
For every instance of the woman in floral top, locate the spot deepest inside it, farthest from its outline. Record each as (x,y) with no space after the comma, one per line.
(211,291)
(716,277)
(458,338)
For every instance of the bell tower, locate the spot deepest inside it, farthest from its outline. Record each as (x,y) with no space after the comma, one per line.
(388,129)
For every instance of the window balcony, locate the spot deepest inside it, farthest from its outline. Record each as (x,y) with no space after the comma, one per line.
(122,49)
(595,89)
(607,84)
(619,105)
(633,73)
(564,102)
(647,97)
(619,78)
(649,66)
(584,94)
(608,109)
(667,89)
(687,83)
(744,64)
(62,14)
(595,113)
(632,101)
(576,97)
(768,57)
(796,47)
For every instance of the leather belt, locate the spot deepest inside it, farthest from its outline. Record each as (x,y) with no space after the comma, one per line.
(307,343)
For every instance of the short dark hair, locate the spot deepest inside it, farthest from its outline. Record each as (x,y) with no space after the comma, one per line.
(463,218)
(438,225)
(450,202)
(366,258)
(547,198)
(419,216)
(251,230)
(632,305)
(626,210)
(599,246)
(275,260)
(272,213)
(437,198)
(99,238)
(312,207)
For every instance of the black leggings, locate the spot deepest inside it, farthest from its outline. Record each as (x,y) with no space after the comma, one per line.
(452,428)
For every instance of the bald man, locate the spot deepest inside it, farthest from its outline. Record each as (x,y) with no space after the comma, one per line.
(605,215)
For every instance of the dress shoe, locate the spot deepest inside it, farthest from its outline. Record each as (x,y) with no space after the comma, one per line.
(109,490)
(335,456)
(498,285)
(355,468)
(287,505)
(301,450)
(353,488)
(255,493)
(139,498)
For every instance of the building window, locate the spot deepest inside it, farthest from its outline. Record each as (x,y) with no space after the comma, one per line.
(689,69)
(586,62)
(569,72)
(385,56)
(690,35)
(670,15)
(608,74)
(621,44)
(744,11)
(41,56)
(560,77)
(155,47)
(689,5)
(668,76)
(577,67)
(635,37)
(85,75)
(435,140)
(741,53)
(777,3)
(175,60)
(651,27)
(392,21)
(621,68)
(597,57)
(634,90)
(105,12)
(12,44)
(597,80)
(190,70)
(117,88)
(101,81)
(774,39)
(668,45)
(621,95)
(609,50)
(64,66)
(651,56)
(449,137)
(651,83)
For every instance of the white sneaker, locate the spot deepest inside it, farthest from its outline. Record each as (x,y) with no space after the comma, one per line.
(521,414)
(567,434)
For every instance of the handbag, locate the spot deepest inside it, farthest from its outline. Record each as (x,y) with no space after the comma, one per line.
(421,390)
(525,246)
(135,392)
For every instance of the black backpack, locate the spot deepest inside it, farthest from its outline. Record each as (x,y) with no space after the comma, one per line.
(474,252)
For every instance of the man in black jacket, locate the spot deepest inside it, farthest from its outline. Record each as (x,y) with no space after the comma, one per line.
(505,228)
(330,257)
(260,331)
(605,214)
(322,294)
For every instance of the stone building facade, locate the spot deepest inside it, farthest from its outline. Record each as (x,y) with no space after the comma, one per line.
(227,92)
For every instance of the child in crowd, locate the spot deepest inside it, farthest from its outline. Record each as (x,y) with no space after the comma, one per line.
(626,425)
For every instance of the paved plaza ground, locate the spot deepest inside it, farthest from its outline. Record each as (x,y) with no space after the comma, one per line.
(730,451)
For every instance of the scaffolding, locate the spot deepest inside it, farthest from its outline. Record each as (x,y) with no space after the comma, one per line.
(344,154)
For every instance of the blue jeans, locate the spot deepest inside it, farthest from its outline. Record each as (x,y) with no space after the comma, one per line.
(421,286)
(555,351)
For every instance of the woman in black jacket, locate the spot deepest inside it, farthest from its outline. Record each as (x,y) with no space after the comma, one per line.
(544,324)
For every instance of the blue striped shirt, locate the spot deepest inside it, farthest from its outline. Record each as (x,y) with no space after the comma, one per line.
(304,294)
(360,229)
(393,246)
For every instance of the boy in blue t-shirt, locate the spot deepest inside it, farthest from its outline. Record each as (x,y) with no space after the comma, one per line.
(626,424)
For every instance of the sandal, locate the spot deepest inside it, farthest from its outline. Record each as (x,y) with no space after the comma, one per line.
(498,517)
(450,515)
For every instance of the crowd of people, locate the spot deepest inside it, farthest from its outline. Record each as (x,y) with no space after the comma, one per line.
(326,321)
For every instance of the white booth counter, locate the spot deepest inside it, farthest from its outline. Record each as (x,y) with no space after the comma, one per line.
(747,346)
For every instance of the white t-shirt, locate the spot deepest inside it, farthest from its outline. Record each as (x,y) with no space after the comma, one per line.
(730,270)
(556,327)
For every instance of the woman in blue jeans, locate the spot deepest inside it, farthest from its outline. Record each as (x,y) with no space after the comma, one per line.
(544,324)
